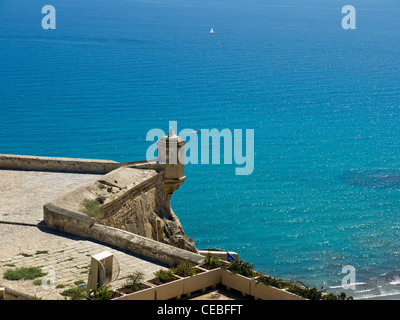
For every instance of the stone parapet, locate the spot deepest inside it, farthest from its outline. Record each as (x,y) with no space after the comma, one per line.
(78,224)
(35,163)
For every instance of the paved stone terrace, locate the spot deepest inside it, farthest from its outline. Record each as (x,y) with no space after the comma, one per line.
(22,196)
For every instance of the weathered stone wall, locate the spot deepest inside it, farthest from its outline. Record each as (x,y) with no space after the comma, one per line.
(145,210)
(122,202)
(78,224)
(133,200)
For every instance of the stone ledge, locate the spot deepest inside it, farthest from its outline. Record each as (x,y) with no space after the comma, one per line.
(75,165)
(151,249)
(79,224)
(66,220)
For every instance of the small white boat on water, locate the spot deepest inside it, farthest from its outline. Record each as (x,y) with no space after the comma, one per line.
(212,31)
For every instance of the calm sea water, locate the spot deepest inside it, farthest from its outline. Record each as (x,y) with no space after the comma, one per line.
(323,101)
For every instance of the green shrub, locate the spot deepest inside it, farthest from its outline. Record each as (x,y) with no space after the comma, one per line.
(164,276)
(23,273)
(241,267)
(103,293)
(305,292)
(273,282)
(212,262)
(77,293)
(184,269)
(135,281)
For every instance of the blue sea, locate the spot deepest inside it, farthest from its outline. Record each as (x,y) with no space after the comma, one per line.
(324,104)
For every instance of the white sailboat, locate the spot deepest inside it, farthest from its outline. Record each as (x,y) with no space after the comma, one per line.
(212,31)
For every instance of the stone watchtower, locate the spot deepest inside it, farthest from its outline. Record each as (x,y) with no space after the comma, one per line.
(171,153)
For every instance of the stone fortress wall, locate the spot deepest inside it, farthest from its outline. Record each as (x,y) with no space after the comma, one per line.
(135,203)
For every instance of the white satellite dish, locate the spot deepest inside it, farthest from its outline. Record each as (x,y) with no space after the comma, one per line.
(104,269)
